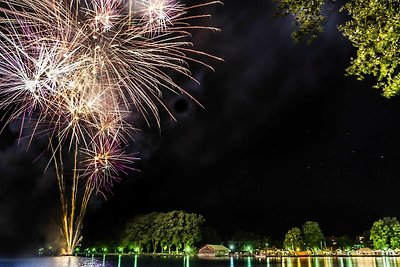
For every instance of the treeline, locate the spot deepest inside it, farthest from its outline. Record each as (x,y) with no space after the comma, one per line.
(163,232)
(248,241)
(384,235)
(178,231)
(310,237)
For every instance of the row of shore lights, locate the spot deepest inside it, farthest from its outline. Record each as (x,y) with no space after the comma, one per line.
(120,250)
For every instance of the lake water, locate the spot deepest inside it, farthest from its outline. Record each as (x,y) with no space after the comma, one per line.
(196,262)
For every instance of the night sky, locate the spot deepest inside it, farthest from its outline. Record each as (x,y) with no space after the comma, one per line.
(284,137)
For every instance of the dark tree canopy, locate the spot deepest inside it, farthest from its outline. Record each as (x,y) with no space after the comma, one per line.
(373,28)
(293,239)
(385,234)
(345,242)
(307,17)
(312,235)
(163,231)
(248,239)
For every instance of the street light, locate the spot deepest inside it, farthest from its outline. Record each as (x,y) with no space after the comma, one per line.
(188,250)
(136,250)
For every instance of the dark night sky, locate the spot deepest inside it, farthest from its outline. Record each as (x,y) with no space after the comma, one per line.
(285,137)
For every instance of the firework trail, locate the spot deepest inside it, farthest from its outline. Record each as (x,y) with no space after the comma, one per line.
(75,69)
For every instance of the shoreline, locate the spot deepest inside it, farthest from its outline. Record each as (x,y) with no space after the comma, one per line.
(228,257)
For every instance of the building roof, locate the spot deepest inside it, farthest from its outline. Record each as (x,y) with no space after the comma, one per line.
(216,247)
(365,249)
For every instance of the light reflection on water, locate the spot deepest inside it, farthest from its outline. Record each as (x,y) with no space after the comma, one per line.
(134,261)
(51,262)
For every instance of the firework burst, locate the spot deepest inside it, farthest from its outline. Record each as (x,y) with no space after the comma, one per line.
(80,67)
(105,161)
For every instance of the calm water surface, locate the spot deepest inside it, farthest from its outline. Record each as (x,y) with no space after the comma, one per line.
(196,262)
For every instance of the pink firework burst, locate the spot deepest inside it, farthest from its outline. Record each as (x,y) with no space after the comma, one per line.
(104,162)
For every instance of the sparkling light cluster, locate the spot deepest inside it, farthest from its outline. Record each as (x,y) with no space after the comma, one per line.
(76,69)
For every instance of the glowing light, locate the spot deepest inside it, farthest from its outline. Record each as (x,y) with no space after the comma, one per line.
(186,261)
(349,262)
(188,250)
(249,249)
(248,262)
(76,70)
